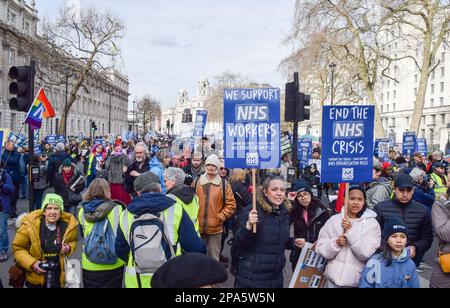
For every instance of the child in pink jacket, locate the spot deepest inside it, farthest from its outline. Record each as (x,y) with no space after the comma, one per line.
(348,243)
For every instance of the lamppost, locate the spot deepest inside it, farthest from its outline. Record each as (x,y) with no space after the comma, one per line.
(332,66)
(134,113)
(66,70)
(109,117)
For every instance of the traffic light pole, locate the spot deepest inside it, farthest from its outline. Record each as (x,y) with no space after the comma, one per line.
(295,141)
(31,145)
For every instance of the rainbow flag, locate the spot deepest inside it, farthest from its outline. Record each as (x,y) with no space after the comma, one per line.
(41,107)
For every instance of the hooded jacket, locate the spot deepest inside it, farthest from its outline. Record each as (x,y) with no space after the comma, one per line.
(424,196)
(64,190)
(156,203)
(345,264)
(54,162)
(262,254)
(212,213)
(157,168)
(27,244)
(12,160)
(7,190)
(401,274)
(115,165)
(379,190)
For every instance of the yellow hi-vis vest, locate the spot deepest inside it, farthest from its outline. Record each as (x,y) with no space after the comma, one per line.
(191,209)
(439,188)
(172,219)
(91,159)
(114,218)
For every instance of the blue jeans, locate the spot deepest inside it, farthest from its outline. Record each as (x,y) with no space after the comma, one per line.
(24,187)
(38,196)
(4,240)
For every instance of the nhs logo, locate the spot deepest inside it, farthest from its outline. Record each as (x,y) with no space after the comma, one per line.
(252,113)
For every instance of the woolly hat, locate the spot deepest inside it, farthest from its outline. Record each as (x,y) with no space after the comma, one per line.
(53,199)
(213,160)
(66,163)
(144,180)
(191,270)
(302,186)
(394,225)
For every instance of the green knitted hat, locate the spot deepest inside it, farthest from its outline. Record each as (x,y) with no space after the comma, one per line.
(53,199)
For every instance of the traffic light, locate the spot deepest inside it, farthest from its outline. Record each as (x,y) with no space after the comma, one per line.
(22,87)
(168,124)
(304,113)
(94,126)
(291,102)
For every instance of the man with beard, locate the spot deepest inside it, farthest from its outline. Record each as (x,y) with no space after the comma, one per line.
(140,165)
(194,169)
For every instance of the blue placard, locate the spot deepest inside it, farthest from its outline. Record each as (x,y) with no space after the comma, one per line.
(51,139)
(200,123)
(100,141)
(61,139)
(304,152)
(421,146)
(1,143)
(252,128)
(376,148)
(409,143)
(347,152)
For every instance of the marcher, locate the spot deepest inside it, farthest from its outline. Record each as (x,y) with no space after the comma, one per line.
(418,162)
(308,216)
(440,179)
(55,162)
(194,169)
(96,207)
(96,163)
(140,165)
(217,204)
(312,176)
(157,165)
(41,185)
(380,188)
(393,268)
(11,161)
(69,183)
(413,214)
(116,166)
(348,242)
(423,192)
(180,230)
(441,223)
(7,190)
(43,239)
(23,163)
(191,270)
(262,254)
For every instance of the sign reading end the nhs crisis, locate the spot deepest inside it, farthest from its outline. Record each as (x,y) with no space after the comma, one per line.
(252,128)
(347,151)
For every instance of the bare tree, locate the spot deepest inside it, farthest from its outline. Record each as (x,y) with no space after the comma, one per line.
(80,45)
(421,25)
(148,111)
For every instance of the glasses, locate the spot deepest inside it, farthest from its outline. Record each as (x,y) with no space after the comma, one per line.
(221,169)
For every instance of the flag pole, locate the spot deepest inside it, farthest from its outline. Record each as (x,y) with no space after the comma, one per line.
(254,194)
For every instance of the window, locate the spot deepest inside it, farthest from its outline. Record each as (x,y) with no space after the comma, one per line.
(395,94)
(433,74)
(393,107)
(415,78)
(441,101)
(442,87)
(389,83)
(442,71)
(407,121)
(433,119)
(11,57)
(12,17)
(388,95)
(442,118)
(443,57)
(432,102)
(381,108)
(26,27)
(382,97)
(13,123)
(387,107)
(432,88)
(415,91)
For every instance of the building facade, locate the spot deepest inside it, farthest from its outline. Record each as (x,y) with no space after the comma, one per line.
(106,98)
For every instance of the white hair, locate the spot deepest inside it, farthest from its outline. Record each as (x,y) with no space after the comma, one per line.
(175,174)
(60,147)
(144,146)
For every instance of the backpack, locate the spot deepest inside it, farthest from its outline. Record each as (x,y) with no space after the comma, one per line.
(149,244)
(99,246)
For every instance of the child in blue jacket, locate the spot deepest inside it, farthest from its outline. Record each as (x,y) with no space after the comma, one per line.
(393,268)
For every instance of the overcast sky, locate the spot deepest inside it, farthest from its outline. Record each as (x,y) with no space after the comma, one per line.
(171,44)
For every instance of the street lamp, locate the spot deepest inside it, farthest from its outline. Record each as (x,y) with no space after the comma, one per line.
(134,113)
(109,117)
(332,66)
(66,70)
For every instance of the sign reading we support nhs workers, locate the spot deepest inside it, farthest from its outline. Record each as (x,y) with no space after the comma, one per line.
(200,123)
(409,143)
(347,151)
(252,128)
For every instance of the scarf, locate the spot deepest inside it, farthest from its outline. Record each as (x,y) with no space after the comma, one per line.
(68,175)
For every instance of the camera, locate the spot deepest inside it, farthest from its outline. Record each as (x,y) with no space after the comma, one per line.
(51,275)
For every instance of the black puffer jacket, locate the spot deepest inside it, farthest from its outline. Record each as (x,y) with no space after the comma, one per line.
(242,196)
(262,255)
(317,217)
(416,218)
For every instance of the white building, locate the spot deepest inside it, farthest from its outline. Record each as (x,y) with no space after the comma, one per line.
(106,102)
(186,106)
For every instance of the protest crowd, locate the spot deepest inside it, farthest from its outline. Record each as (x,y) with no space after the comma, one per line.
(156,213)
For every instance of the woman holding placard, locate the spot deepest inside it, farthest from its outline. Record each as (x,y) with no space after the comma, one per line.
(348,240)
